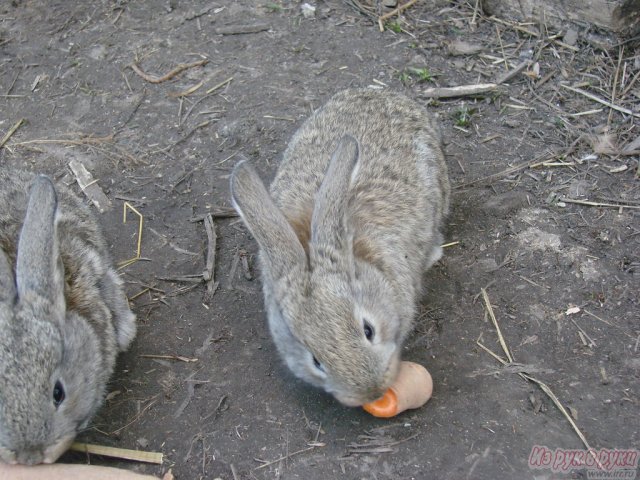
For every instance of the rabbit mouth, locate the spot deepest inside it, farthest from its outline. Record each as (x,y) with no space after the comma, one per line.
(52,453)
(357,400)
(356,397)
(36,455)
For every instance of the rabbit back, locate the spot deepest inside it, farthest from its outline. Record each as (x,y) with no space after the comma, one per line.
(400,193)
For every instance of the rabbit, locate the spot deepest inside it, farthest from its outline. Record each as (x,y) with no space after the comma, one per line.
(350,224)
(63,317)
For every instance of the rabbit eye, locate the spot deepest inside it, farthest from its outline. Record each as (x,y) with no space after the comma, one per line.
(58,394)
(317,364)
(369,331)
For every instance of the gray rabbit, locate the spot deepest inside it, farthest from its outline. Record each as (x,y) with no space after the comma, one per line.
(63,318)
(351,223)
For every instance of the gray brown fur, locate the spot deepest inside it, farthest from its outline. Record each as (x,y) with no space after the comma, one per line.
(63,316)
(351,223)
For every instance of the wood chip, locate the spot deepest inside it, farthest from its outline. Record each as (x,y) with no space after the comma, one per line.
(89,186)
(460,91)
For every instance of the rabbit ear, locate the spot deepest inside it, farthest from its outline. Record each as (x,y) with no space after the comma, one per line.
(7,283)
(39,270)
(267,224)
(328,220)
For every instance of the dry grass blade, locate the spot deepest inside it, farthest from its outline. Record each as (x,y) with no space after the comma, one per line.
(188,91)
(123,453)
(126,263)
(135,418)
(601,100)
(284,457)
(178,358)
(599,204)
(487,304)
(543,386)
(540,160)
(11,131)
(393,12)
(219,86)
(450,244)
(62,141)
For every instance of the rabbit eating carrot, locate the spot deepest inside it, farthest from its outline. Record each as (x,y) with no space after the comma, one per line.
(349,225)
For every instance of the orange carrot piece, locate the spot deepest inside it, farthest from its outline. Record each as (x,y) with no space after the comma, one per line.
(412,389)
(385,407)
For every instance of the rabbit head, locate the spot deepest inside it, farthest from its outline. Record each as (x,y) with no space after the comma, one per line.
(331,316)
(47,354)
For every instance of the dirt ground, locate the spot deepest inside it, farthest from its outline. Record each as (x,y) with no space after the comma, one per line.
(203,383)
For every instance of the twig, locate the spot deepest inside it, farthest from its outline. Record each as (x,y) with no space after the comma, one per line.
(505,77)
(200,14)
(188,91)
(209,273)
(219,86)
(133,110)
(602,320)
(514,26)
(598,204)
(592,343)
(459,91)
(216,212)
(475,13)
(13,83)
(242,29)
(135,419)
(516,168)
(171,357)
(615,82)
(393,12)
(185,137)
(487,303)
(122,453)
(504,56)
(532,33)
(11,131)
(194,278)
(83,141)
(396,11)
(365,448)
(168,76)
(601,100)
(284,457)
